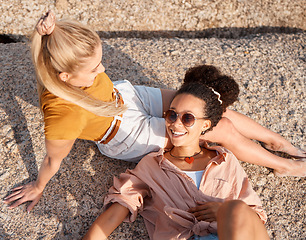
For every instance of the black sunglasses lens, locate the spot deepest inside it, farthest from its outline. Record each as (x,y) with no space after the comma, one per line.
(188,119)
(171,116)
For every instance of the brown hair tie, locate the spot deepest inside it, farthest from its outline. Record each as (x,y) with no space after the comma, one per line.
(46,24)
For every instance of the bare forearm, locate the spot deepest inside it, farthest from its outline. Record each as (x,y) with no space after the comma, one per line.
(107,222)
(47,170)
(57,150)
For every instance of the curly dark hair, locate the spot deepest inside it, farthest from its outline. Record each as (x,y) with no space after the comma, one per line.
(211,76)
(203,82)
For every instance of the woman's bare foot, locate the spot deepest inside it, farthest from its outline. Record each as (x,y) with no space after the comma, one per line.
(297,169)
(289,149)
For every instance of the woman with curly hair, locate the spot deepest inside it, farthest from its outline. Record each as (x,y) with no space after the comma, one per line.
(190,191)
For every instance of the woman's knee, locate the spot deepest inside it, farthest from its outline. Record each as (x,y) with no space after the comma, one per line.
(233,210)
(225,133)
(230,219)
(237,220)
(228,113)
(225,130)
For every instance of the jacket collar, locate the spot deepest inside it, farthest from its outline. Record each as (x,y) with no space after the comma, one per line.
(221,156)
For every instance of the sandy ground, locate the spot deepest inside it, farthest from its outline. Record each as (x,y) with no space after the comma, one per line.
(269,67)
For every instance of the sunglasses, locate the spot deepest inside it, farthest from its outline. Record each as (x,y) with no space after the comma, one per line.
(188,119)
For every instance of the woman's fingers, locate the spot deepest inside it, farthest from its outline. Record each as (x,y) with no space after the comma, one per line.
(198,208)
(33,203)
(17,203)
(14,196)
(208,217)
(24,194)
(17,188)
(205,211)
(213,219)
(202,212)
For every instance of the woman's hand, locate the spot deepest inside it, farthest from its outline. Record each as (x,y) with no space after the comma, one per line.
(25,193)
(56,151)
(206,211)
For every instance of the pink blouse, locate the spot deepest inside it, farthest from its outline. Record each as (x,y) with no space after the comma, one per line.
(161,193)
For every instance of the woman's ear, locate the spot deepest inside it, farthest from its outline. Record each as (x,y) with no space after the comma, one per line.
(206,125)
(64,76)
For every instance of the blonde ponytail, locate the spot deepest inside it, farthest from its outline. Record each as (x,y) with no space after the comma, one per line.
(65,49)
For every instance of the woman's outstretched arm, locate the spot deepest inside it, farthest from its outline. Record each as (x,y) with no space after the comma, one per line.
(56,151)
(107,222)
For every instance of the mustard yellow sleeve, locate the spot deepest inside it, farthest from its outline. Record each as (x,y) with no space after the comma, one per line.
(63,122)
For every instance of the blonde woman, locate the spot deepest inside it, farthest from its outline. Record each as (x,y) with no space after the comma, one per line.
(78,100)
